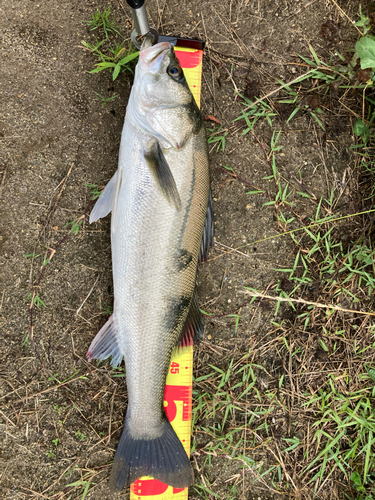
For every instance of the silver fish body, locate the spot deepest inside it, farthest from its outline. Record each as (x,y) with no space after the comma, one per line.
(158,197)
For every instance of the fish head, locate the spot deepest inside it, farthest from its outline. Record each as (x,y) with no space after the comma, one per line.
(163,102)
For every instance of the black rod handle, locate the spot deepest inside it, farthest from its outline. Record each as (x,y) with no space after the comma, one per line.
(135,4)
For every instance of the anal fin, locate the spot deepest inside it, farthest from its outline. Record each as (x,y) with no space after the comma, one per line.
(105,344)
(193,329)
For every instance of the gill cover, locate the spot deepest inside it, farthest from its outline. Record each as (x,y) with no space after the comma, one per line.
(164,105)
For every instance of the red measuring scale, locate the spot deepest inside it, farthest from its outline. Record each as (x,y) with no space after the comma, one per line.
(178,387)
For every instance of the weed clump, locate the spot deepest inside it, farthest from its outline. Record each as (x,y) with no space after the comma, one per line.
(114,52)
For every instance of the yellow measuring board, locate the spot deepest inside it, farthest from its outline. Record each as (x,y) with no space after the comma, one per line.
(178,387)
(191,63)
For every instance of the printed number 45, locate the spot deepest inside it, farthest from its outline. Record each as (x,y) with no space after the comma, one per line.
(175,368)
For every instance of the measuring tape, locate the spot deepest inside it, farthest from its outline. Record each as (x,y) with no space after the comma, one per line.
(178,387)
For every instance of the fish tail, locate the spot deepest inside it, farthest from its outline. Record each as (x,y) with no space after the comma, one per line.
(162,458)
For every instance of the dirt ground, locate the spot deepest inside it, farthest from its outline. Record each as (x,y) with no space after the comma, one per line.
(55,138)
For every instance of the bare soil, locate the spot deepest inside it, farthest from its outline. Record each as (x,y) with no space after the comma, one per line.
(55,138)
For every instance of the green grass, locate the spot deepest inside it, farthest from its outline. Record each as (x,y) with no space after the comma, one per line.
(218,140)
(105,100)
(75,225)
(118,372)
(80,435)
(306,424)
(50,454)
(343,431)
(95,191)
(59,409)
(340,413)
(251,114)
(54,377)
(101,21)
(283,191)
(363,129)
(112,54)
(323,260)
(106,308)
(36,300)
(331,429)
(214,410)
(116,65)
(83,486)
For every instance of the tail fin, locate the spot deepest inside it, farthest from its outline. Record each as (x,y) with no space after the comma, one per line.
(163,458)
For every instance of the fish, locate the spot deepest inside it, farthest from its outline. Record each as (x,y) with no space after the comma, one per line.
(161,228)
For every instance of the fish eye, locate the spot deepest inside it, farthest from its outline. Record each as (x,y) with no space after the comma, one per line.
(175,71)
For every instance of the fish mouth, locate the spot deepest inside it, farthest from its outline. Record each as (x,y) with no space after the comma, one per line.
(162,50)
(154,53)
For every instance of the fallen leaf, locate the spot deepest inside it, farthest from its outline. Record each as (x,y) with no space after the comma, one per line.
(213,119)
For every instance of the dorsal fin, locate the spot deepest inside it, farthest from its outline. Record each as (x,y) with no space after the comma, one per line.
(208,232)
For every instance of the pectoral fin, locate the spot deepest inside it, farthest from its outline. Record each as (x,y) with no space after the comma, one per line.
(159,167)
